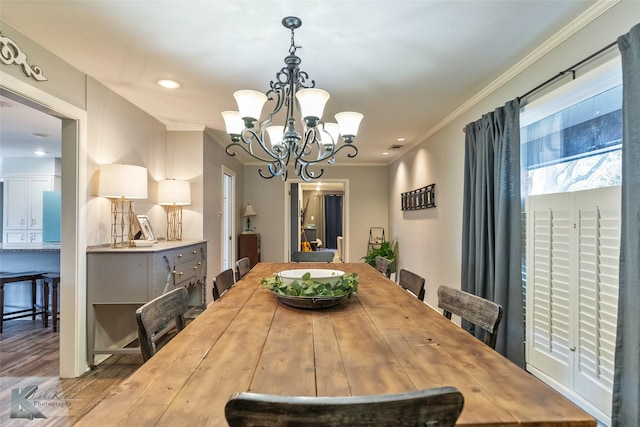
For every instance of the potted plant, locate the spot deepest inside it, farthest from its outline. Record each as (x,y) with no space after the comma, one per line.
(386,249)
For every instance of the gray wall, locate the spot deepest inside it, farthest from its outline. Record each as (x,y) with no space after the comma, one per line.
(367,197)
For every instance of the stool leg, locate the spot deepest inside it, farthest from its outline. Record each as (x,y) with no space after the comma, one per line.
(54,304)
(45,302)
(33,299)
(1,304)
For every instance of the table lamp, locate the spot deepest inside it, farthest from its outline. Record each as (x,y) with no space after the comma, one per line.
(248,213)
(122,184)
(174,194)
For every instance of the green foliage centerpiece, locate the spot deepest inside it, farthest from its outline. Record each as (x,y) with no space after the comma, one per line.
(309,287)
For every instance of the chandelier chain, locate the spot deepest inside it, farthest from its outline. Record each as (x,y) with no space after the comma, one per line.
(293,47)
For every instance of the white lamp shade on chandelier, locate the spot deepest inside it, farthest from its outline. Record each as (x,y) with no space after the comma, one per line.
(174,192)
(123,181)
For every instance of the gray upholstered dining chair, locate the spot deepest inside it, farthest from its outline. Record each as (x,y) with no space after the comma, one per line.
(383,265)
(243,266)
(481,312)
(412,282)
(430,407)
(315,256)
(158,317)
(221,283)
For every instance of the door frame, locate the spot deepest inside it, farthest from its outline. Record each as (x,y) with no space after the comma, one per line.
(73,265)
(345,216)
(232,215)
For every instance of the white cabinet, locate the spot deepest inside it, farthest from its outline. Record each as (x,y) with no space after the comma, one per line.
(23,208)
(572,293)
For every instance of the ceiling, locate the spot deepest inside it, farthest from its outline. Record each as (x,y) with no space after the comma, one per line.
(406,65)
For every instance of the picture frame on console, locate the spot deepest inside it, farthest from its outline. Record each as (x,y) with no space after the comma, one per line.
(145,228)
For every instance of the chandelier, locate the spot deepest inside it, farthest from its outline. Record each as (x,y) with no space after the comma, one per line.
(277,145)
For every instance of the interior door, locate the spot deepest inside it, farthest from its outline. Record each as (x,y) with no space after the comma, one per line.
(228,224)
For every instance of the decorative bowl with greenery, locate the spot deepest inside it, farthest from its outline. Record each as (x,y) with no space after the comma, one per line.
(309,287)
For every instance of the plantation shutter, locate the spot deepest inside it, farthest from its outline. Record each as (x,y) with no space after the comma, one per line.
(599,244)
(548,282)
(572,285)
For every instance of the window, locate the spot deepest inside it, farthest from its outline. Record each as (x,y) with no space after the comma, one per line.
(571,156)
(572,138)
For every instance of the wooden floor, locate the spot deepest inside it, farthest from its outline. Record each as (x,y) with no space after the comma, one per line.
(29,356)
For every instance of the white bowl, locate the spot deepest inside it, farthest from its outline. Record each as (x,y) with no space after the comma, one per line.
(321,275)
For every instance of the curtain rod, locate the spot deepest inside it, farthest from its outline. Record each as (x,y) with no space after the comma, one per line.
(569,70)
(563,73)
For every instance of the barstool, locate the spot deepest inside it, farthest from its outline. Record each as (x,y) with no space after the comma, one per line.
(52,280)
(28,276)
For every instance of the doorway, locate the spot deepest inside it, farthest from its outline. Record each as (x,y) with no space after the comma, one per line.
(30,159)
(73,360)
(318,214)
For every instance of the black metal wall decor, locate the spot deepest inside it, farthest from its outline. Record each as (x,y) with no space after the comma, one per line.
(422,198)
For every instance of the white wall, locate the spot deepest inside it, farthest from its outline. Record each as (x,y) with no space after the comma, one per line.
(430,239)
(119,132)
(367,203)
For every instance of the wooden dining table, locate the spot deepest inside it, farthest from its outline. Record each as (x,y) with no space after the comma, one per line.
(382,340)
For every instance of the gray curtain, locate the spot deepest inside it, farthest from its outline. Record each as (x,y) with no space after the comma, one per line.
(491,222)
(626,381)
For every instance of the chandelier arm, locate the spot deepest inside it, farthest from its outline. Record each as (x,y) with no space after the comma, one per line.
(306,175)
(249,151)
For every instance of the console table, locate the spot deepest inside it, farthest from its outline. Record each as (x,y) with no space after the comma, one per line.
(119,280)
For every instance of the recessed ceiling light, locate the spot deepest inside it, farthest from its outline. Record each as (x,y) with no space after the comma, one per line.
(168,84)
(39,135)
(400,139)
(39,153)
(385,153)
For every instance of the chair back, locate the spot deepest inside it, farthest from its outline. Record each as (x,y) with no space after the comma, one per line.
(243,266)
(431,407)
(221,283)
(481,312)
(317,256)
(158,316)
(412,282)
(383,265)
(340,246)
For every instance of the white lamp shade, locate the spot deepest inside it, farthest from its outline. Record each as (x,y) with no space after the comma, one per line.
(275,134)
(349,122)
(174,192)
(128,181)
(333,131)
(250,103)
(233,122)
(312,102)
(249,211)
